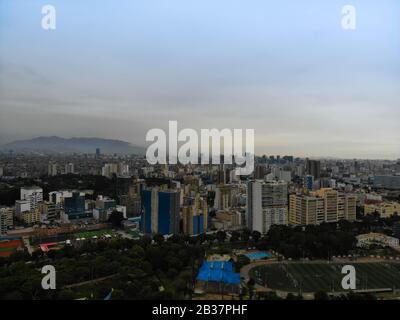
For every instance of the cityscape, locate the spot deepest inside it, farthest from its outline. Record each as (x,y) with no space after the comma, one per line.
(106,223)
(181,152)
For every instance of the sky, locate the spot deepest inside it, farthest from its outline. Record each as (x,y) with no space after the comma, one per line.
(287,69)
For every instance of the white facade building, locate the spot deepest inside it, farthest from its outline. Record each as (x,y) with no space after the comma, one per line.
(52,169)
(58,197)
(267,204)
(69,168)
(22,206)
(32,194)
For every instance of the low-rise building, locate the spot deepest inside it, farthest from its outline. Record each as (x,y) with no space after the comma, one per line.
(368,239)
(324,205)
(384,209)
(30,217)
(227,220)
(7,218)
(48,211)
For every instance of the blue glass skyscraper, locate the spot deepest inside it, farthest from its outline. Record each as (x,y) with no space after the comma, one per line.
(160,211)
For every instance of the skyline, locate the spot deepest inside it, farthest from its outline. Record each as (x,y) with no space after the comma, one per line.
(289,71)
(143,147)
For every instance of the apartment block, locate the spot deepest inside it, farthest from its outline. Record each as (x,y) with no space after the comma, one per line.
(324,205)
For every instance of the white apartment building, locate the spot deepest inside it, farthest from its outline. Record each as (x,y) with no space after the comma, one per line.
(69,168)
(32,194)
(267,204)
(22,206)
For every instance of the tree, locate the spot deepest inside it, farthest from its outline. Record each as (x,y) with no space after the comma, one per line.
(158,238)
(235,236)
(221,236)
(146,240)
(176,238)
(245,235)
(290,296)
(255,235)
(139,270)
(321,295)
(241,262)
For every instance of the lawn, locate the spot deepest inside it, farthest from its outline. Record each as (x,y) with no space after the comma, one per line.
(91,234)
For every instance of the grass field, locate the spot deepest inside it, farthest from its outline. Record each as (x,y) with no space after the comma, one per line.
(90,234)
(312,277)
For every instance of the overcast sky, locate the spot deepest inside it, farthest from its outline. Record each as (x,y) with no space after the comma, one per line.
(117,68)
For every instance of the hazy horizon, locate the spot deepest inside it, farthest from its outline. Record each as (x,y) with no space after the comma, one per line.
(322,157)
(287,70)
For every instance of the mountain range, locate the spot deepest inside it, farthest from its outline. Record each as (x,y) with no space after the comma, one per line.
(56,144)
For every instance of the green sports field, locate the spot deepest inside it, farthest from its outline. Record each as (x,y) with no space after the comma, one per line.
(313,277)
(91,234)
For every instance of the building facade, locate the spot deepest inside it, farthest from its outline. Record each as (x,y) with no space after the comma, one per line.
(266,204)
(74,206)
(384,209)
(324,205)
(160,211)
(32,194)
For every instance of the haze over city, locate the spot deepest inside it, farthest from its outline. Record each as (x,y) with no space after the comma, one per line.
(286,69)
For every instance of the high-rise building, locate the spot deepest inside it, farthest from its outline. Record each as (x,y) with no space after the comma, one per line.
(188,213)
(105,203)
(74,206)
(58,197)
(266,204)
(52,169)
(332,204)
(6,219)
(119,169)
(304,210)
(3,226)
(30,217)
(324,205)
(160,211)
(132,204)
(48,211)
(223,197)
(109,169)
(195,216)
(69,168)
(309,182)
(285,176)
(32,194)
(22,206)
(313,168)
(98,153)
(260,171)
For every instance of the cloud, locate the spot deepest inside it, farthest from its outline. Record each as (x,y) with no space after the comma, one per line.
(304,85)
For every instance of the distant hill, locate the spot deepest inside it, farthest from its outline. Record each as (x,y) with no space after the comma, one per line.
(78,145)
